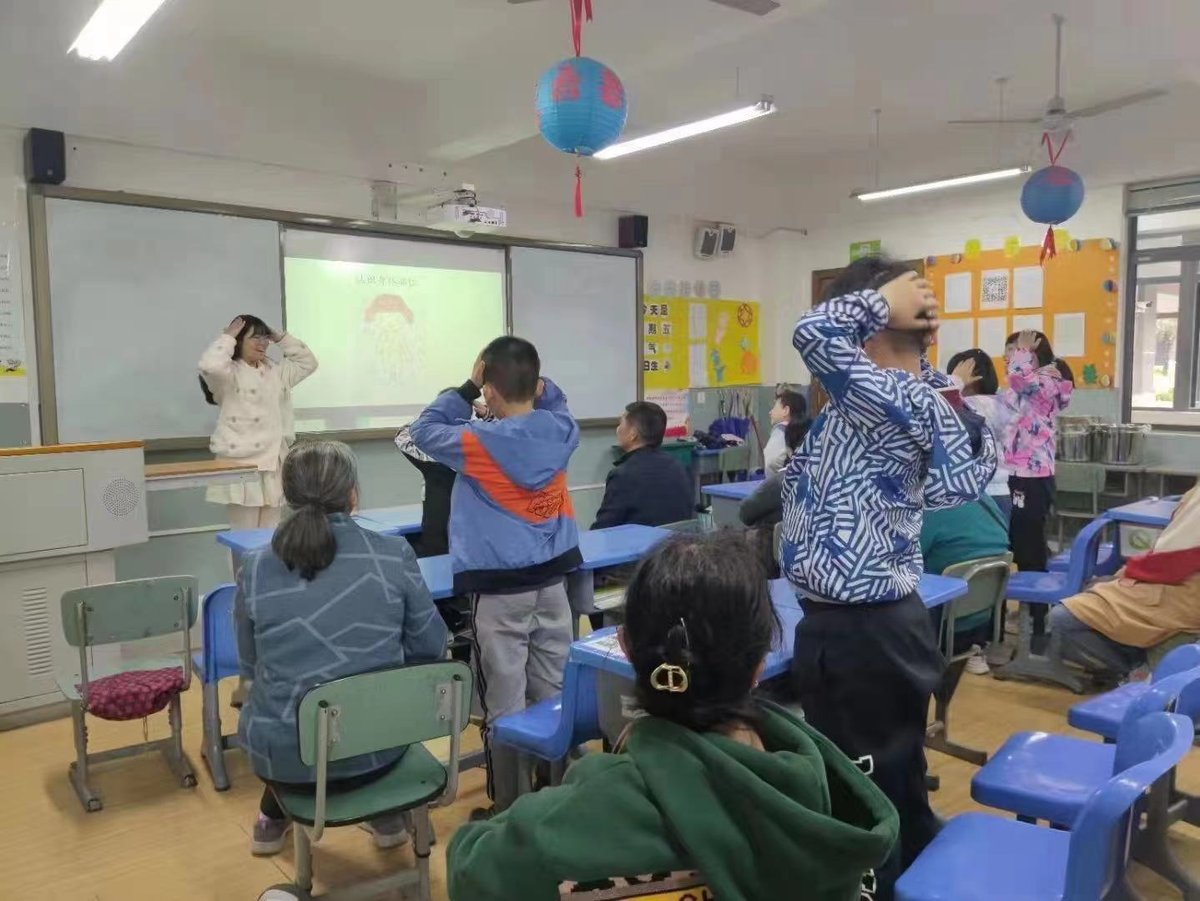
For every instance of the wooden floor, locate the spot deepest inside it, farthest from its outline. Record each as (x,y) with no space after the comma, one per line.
(154,840)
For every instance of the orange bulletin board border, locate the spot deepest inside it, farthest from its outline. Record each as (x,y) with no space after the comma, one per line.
(1084,278)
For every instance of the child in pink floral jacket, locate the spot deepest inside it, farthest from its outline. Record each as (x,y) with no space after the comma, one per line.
(1039,388)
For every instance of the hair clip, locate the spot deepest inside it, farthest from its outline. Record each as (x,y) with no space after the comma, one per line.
(669,677)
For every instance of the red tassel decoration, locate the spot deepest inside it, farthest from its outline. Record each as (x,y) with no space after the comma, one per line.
(578,193)
(1049,252)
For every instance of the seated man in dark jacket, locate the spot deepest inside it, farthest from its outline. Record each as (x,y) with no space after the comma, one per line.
(647,486)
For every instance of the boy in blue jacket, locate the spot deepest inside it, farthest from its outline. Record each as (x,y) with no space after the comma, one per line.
(513,536)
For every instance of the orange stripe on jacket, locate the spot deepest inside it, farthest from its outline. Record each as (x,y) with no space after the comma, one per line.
(535,505)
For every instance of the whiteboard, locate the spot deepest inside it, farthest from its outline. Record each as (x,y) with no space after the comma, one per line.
(581,310)
(136,295)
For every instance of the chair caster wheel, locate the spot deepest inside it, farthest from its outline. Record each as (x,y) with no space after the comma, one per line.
(94,804)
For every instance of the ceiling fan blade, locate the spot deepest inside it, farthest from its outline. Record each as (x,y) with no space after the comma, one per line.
(755,7)
(993,121)
(1109,105)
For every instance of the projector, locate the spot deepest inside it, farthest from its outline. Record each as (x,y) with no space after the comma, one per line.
(466,217)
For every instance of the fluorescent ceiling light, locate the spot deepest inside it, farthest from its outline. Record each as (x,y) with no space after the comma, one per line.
(997,175)
(764,107)
(112,26)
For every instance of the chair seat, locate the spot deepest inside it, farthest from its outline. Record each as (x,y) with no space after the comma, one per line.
(1038,588)
(1102,714)
(417,779)
(68,681)
(981,857)
(1049,777)
(1059,563)
(534,729)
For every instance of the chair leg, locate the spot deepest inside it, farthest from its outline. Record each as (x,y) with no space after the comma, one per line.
(78,771)
(422,841)
(177,760)
(212,747)
(1027,665)
(1152,848)
(303,847)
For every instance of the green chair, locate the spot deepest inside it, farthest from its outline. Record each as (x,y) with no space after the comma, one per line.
(987,586)
(371,712)
(122,613)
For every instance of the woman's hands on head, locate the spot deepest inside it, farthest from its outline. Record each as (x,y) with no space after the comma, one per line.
(235,328)
(912,303)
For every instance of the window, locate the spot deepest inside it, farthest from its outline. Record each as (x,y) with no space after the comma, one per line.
(1162,334)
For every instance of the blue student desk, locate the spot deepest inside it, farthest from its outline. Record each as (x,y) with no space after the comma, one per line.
(599,650)
(402,520)
(614,673)
(726,498)
(1153,511)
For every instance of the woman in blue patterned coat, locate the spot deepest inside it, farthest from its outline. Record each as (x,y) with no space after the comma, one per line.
(327,599)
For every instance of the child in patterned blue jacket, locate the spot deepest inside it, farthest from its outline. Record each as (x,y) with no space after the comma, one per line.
(885,448)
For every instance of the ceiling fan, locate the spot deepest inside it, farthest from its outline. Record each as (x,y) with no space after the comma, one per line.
(755,7)
(1058,118)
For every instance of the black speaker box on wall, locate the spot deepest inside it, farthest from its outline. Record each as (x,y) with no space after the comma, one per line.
(633,231)
(45,157)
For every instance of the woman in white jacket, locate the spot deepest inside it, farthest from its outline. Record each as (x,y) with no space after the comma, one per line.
(255,424)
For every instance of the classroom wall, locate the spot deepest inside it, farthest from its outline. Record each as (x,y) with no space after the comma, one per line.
(941,224)
(185,522)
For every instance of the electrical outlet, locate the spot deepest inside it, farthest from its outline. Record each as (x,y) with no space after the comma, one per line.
(701,397)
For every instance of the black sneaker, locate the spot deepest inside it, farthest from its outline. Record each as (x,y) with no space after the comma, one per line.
(482,814)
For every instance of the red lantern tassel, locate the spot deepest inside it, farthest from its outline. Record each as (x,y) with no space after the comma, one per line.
(578,193)
(1048,250)
(577,24)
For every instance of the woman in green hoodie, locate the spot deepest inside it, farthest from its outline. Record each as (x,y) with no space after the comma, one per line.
(713,793)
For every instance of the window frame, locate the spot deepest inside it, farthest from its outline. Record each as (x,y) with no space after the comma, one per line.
(1185,412)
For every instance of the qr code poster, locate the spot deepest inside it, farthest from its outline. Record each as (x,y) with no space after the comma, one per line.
(994,289)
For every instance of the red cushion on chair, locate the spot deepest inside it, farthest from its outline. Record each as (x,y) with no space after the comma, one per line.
(133,695)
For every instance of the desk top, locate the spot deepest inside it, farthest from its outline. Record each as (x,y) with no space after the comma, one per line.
(736,491)
(402,520)
(242,541)
(619,545)
(1152,511)
(601,651)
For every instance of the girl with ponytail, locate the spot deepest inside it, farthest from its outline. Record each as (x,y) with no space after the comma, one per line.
(327,599)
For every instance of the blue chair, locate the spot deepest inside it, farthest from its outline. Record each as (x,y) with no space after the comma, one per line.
(1052,588)
(216,661)
(982,857)
(1050,777)
(550,729)
(1103,713)
(1109,562)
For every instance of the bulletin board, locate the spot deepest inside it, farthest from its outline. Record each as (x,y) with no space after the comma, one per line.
(690,343)
(987,295)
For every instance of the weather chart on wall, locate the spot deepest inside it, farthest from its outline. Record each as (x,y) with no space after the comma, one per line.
(696,343)
(987,294)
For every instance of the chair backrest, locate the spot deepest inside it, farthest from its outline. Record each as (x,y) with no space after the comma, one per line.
(220,637)
(1178,693)
(128,611)
(385,709)
(1178,660)
(1085,553)
(1100,837)
(987,588)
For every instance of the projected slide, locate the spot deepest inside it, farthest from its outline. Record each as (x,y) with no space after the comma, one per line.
(388,337)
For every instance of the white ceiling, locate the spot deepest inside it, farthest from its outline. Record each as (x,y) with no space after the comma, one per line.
(354,86)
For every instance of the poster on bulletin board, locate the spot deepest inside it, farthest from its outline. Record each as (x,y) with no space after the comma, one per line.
(1072,299)
(688,343)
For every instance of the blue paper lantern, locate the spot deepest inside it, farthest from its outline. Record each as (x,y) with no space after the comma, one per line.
(1052,195)
(581,106)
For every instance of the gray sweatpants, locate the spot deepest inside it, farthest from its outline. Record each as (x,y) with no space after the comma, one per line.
(521,645)
(1098,653)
